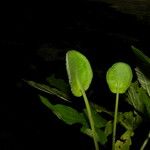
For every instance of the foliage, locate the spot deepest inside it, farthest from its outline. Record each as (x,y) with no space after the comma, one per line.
(93,119)
(79,70)
(119,77)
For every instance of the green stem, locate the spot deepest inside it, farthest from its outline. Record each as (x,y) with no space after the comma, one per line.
(145,142)
(90,118)
(115,121)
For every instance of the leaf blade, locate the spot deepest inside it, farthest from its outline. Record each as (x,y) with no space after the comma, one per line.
(144,81)
(141,55)
(79,71)
(49,90)
(119,77)
(65,113)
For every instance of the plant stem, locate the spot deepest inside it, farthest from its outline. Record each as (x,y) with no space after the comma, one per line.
(115,121)
(90,118)
(145,142)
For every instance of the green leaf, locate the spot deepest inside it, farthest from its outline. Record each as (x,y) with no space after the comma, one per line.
(65,113)
(119,77)
(100,109)
(46,102)
(141,55)
(49,90)
(133,97)
(146,102)
(101,136)
(68,114)
(99,121)
(58,84)
(139,99)
(125,141)
(144,81)
(109,128)
(86,130)
(79,72)
(130,120)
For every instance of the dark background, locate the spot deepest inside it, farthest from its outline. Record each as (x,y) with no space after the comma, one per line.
(102,33)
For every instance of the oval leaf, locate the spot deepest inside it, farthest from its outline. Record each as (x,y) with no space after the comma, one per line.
(119,77)
(79,72)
